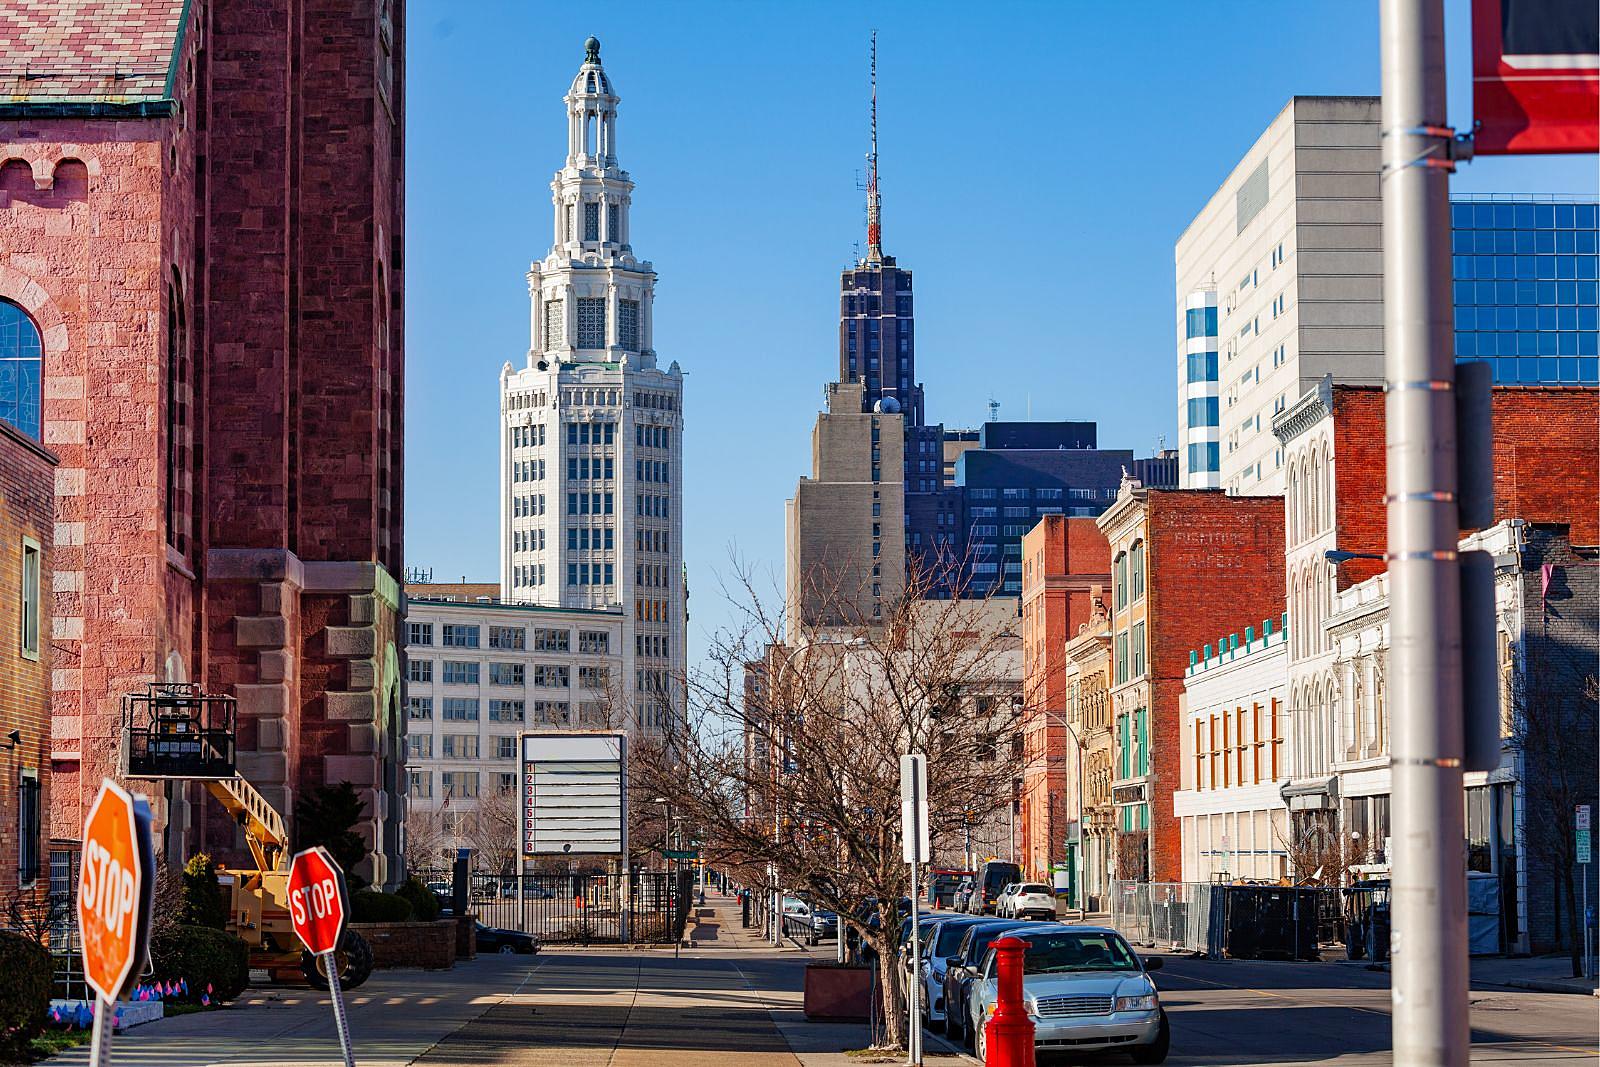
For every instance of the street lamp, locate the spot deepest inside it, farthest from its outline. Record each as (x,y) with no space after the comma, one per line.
(1079,748)
(1337,556)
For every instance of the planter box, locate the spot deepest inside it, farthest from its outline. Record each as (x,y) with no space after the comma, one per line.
(834,992)
(431,946)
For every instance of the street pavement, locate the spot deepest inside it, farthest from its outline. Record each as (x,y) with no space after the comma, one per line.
(730,999)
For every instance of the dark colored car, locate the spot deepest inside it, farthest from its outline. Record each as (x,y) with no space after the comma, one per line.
(962,968)
(992,878)
(493,939)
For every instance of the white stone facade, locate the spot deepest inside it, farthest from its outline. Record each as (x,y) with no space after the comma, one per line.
(591,444)
(480,673)
(1234,718)
(1289,252)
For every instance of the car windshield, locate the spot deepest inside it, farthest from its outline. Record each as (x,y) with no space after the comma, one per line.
(1056,953)
(949,940)
(1032,887)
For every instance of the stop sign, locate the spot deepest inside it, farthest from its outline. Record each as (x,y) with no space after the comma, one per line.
(114,898)
(318,903)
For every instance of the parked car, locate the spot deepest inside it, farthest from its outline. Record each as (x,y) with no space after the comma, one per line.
(1002,903)
(962,968)
(493,939)
(943,940)
(902,944)
(1086,990)
(992,878)
(805,923)
(1031,900)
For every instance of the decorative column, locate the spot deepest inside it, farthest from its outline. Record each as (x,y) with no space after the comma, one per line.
(611,314)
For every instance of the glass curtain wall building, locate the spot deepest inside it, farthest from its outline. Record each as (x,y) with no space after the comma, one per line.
(1525,270)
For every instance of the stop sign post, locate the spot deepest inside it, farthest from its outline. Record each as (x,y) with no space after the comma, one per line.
(319,908)
(116,877)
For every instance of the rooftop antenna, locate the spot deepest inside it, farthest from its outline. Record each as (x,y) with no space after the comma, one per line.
(874,228)
(994,409)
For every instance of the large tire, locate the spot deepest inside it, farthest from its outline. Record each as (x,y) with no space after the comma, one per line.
(354,959)
(1157,1052)
(980,1044)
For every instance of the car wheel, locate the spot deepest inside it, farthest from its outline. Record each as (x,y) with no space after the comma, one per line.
(980,1044)
(506,949)
(1155,1052)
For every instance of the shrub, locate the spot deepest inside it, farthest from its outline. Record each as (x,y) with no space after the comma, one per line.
(371,906)
(203,902)
(424,904)
(328,815)
(201,956)
(25,992)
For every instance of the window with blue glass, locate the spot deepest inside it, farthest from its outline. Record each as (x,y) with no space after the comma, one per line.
(1205,457)
(1201,366)
(21,360)
(1525,280)
(1201,322)
(1202,411)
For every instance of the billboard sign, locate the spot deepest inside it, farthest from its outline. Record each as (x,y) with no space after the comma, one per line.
(1535,76)
(574,793)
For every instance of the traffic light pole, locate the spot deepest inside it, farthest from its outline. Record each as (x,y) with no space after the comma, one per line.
(1425,670)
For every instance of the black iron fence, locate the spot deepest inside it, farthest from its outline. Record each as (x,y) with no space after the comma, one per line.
(651,908)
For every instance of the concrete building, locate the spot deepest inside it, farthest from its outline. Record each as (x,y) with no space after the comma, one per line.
(27,526)
(591,441)
(1088,700)
(1519,822)
(479,673)
(1280,279)
(202,227)
(1187,566)
(1234,720)
(1066,566)
(1332,443)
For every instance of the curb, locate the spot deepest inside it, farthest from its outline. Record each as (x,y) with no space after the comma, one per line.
(1550,985)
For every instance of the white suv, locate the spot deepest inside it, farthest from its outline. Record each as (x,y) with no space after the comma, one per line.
(1002,903)
(1031,900)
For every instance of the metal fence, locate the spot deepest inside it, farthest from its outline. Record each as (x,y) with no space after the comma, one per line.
(578,908)
(1243,921)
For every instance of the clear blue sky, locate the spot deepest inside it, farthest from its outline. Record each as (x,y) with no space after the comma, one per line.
(1038,161)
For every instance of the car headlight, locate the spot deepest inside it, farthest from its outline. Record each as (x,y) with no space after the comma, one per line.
(1144,1003)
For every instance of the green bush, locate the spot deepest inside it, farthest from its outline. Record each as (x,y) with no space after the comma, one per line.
(25,992)
(424,904)
(203,901)
(201,956)
(371,906)
(328,815)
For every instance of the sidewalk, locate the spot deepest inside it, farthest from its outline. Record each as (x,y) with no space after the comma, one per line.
(1543,974)
(718,924)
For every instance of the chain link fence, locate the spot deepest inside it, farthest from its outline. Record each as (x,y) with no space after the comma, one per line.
(1242,921)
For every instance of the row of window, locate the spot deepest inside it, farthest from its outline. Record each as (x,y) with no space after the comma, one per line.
(590,574)
(1525,268)
(1200,322)
(591,433)
(658,646)
(589,503)
(652,436)
(652,470)
(590,468)
(466,635)
(1200,367)
(1528,318)
(527,470)
(652,575)
(1241,747)
(527,436)
(1523,242)
(1128,654)
(545,675)
(653,505)
(1570,345)
(527,540)
(527,574)
(590,538)
(527,505)
(651,541)
(1467,216)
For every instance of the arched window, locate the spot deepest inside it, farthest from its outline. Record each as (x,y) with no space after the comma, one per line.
(1290,499)
(21,366)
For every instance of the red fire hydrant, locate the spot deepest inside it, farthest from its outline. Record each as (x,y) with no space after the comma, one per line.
(1008,1034)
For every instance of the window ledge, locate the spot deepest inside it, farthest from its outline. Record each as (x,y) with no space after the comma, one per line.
(176,561)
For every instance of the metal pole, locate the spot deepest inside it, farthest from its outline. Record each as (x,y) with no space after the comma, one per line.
(331,962)
(1083,838)
(1429,879)
(104,1024)
(913,976)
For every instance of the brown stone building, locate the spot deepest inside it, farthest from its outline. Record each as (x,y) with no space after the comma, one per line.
(201,210)
(27,525)
(1066,562)
(1188,565)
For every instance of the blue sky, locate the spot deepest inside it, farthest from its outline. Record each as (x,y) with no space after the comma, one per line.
(1038,162)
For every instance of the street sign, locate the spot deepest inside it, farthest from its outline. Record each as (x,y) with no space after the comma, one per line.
(914,807)
(681,853)
(1581,822)
(574,793)
(1583,846)
(1535,86)
(319,904)
(114,883)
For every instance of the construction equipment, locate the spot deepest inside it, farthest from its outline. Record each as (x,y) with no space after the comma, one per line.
(174,732)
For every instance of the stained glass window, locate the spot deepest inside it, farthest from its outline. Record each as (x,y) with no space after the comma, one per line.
(591,322)
(21,359)
(554,328)
(628,324)
(591,221)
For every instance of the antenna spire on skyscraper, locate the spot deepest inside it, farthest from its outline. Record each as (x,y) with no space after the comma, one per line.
(874,228)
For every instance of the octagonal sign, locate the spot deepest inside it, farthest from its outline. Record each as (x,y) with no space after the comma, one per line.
(114,890)
(318,902)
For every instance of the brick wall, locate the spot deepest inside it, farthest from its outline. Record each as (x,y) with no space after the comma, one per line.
(1215,566)
(431,946)
(27,510)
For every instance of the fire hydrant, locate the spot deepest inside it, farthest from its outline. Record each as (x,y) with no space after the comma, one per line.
(1008,1035)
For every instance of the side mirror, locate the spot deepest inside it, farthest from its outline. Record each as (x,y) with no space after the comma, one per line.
(1153,963)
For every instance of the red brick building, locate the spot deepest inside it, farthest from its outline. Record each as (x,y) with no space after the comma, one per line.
(27,525)
(201,214)
(1187,567)
(1066,563)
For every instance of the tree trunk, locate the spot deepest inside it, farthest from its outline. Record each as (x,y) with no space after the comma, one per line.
(1574,930)
(889,992)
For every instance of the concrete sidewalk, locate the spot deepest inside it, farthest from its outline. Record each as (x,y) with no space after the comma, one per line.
(1543,974)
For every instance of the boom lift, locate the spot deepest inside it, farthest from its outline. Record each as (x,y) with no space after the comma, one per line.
(174,732)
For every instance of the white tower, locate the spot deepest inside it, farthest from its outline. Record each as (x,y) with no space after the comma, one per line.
(591,438)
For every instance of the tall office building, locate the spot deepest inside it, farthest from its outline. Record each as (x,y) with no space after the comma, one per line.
(1280,282)
(591,468)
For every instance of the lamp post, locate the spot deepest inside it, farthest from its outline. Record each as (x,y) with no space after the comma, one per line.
(1078,750)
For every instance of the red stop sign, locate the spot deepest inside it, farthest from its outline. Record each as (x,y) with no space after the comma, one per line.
(113,891)
(318,903)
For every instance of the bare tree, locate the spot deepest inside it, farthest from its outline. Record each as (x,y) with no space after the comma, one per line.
(496,830)
(799,785)
(425,837)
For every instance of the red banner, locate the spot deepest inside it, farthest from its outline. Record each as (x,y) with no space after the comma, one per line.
(1535,76)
